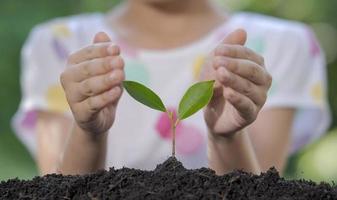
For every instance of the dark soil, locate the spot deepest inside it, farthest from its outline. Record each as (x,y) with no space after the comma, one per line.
(170,180)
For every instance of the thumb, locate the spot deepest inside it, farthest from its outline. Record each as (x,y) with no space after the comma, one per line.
(239,36)
(101,37)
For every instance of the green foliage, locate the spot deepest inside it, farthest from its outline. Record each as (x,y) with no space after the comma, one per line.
(144,95)
(196,97)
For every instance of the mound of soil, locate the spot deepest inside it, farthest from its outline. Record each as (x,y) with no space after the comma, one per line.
(170,180)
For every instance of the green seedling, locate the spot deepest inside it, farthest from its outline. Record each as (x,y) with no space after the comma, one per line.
(195,98)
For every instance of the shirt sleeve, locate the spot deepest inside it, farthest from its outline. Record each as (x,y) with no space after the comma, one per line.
(297,65)
(43,59)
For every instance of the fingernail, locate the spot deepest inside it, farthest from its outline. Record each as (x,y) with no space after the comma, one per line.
(113,50)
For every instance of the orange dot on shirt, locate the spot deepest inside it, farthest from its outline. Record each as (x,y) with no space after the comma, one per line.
(197,66)
(61,30)
(56,99)
(317,92)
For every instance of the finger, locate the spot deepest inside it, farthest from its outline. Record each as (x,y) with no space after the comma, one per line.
(101,37)
(97,50)
(96,103)
(241,85)
(244,106)
(239,36)
(238,51)
(242,67)
(98,84)
(95,67)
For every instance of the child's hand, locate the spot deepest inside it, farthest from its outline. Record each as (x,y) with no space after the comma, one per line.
(241,86)
(92,84)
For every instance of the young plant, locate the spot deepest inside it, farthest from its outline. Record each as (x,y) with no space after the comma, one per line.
(195,98)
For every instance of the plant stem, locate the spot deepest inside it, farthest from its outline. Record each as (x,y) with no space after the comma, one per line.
(173,140)
(174,126)
(173,129)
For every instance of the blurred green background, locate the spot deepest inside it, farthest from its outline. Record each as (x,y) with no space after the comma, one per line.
(317,161)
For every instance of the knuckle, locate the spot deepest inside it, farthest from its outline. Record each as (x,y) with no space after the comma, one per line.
(106,80)
(91,105)
(237,100)
(118,62)
(231,95)
(115,50)
(106,65)
(120,76)
(254,72)
(122,63)
(260,59)
(233,65)
(247,52)
(86,88)
(104,97)
(247,90)
(123,76)
(269,79)
(221,50)
(253,114)
(88,50)
(222,76)
(260,99)
(217,62)
(236,51)
(116,92)
(102,50)
(85,69)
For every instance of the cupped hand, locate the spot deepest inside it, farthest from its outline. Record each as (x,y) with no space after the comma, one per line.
(241,86)
(92,83)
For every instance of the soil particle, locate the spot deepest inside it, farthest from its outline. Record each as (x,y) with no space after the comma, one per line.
(170,180)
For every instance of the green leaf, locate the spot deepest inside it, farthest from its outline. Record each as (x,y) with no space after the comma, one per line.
(144,95)
(196,97)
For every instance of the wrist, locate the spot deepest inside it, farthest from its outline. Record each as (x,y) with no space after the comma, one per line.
(218,137)
(77,130)
(229,153)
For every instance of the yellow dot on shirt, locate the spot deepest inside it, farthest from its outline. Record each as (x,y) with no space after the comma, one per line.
(56,99)
(61,30)
(197,66)
(317,92)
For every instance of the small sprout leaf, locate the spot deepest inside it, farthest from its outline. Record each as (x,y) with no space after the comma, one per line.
(144,95)
(196,97)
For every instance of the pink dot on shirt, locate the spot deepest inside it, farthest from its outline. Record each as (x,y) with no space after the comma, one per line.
(29,119)
(314,46)
(163,125)
(189,139)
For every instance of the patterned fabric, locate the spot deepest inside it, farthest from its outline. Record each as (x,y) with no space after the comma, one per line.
(140,137)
